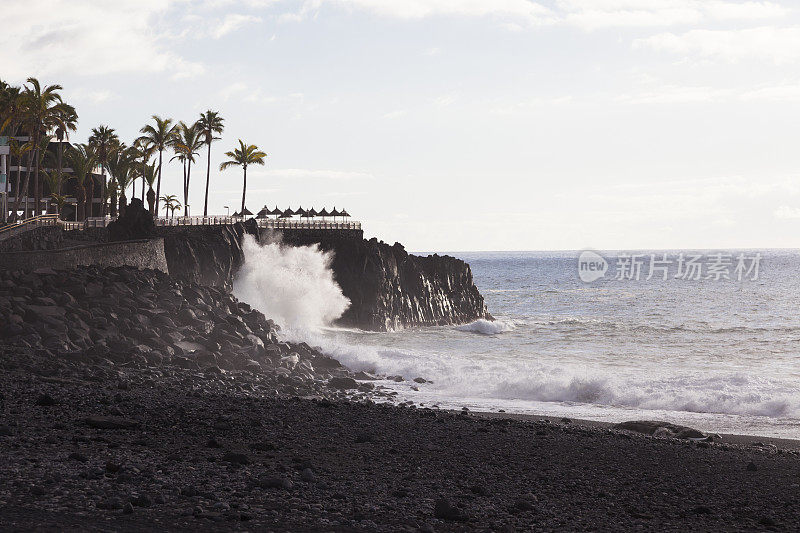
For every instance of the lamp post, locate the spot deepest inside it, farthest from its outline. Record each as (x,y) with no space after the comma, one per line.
(228,210)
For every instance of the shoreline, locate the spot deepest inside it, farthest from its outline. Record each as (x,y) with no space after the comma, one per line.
(726,438)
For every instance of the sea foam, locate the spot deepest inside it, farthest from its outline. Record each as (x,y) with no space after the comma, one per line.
(292,285)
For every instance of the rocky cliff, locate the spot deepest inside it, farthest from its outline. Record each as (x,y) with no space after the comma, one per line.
(387,287)
(391,289)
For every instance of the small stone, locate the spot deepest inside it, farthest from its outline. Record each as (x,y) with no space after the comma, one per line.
(342,383)
(45,400)
(308,475)
(444,510)
(109,422)
(276,483)
(420,380)
(236,458)
(141,500)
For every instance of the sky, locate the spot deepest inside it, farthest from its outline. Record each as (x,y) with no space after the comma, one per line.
(455,125)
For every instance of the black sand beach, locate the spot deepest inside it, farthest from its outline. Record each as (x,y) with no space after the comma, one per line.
(107,448)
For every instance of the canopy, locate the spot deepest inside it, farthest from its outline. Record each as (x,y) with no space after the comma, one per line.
(335,213)
(300,211)
(284,215)
(264,212)
(344,213)
(323,213)
(311,213)
(276,211)
(288,213)
(246,213)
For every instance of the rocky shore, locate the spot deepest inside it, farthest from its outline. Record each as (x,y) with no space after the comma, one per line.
(103,447)
(133,401)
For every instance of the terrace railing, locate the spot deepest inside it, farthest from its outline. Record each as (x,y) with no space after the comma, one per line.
(101,222)
(9,230)
(283,223)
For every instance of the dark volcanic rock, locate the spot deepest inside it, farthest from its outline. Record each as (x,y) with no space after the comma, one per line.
(110,422)
(660,429)
(135,223)
(207,255)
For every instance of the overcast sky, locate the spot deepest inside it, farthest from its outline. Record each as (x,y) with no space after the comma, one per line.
(459,124)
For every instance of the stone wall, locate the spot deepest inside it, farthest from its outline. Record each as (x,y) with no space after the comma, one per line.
(41,238)
(139,254)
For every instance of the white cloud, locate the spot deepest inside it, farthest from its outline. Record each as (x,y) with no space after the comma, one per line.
(233,22)
(785,212)
(531,12)
(776,45)
(304,174)
(395,114)
(594,14)
(49,37)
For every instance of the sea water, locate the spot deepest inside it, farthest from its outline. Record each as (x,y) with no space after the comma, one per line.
(713,348)
(721,353)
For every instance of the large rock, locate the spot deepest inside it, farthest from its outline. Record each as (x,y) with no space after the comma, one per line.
(135,223)
(660,429)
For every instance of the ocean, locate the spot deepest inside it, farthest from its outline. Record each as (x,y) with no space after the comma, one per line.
(715,345)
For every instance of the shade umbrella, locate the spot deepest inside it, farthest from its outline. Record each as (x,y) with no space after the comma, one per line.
(324,213)
(335,213)
(311,213)
(235,213)
(264,212)
(300,211)
(288,213)
(246,213)
(344,213)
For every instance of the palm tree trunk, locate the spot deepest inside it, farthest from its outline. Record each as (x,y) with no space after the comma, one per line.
(37,199)
(186,196)
(103,191)
(144,181)
(244,190)
(185,186)
(16,186)
(24,189)
(60,157)
(90,196)
(208,178)
(158,187)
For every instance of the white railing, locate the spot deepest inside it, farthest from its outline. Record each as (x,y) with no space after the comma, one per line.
(98,222)
(26,225)
(197,221)
(283,223)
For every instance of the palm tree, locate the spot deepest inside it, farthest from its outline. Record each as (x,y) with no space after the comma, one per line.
(209,123)
(18,150)
(82,160)
(161,136)
(150,174)
(69,122)
(144,151)
(37,154)
(187,143)
(121,166)
(171,203)
(104,141)
(44,111)
(53,182)
(11,108)
(246,154)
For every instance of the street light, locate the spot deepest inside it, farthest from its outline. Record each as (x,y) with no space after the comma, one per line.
(228,212)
